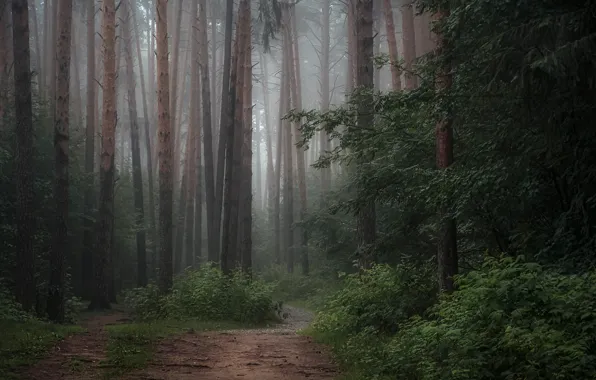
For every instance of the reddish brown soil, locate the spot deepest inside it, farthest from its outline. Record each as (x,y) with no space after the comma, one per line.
(249,355)
(78,356)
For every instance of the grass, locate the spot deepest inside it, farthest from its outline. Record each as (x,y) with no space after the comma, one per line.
(24,343)
(132,346)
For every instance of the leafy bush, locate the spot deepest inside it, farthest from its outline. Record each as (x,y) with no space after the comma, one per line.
(511,320)
(377,301)
(508,320)
(205,294)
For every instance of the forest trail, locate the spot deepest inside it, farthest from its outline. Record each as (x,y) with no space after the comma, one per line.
(78,357)
(263,354)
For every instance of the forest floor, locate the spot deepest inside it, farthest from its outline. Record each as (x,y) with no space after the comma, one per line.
(114,348)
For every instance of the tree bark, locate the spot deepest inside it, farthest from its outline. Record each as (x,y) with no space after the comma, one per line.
(165,151)
(392,45)
(89,196)
(137,174)
(300,152)
(101,260)
(227,99)
(60,247)
(25,283)
(149,147)
(366,222)
(207,92)
(324,137)
(246,170)
(409,43)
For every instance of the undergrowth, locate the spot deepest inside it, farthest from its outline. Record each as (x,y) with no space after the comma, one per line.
(24,338)
(509,320)
(205,294)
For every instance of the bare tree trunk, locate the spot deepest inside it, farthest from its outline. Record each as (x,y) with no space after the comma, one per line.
(101,260)
(409,43)
(137,174)
(447,258)
(227,99)
(202,8)
(283,104)
(89,201)
(165,151)
(325,143)
(288,153)
(230,259)
(60,247)
(149,147)
(258,166)
(207,92)
(174,69)
(25,283)
(392,44)
(37,41)
(268,139)
(246,170)
(365,81)
(5,44)
(295,85)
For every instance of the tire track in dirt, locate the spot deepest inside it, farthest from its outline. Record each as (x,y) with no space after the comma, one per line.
(268,354)
(78,356)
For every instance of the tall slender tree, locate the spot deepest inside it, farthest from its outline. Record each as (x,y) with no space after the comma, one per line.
(60,246)
(137,174)
(24,155)
(392,44)
(103,252)
(166,180)
(366,219)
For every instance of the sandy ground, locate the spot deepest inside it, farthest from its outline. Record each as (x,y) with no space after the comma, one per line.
(264,354)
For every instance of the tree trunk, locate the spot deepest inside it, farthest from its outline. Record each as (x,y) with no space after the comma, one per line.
(174,69)
(230,258)
(392,44)
(258,166)
(365,81)
(89,196)
(137,174)
(447,259)
(60,247)
(268,139)
(324,137)
(246,170)
(25,283)
(165,151)
(101,260)
(149,147)
(300,152)
(37,41)
(409,43)
(283,104)
(212,239)
(203,9)
(6,56)
(227,99)
(288,153)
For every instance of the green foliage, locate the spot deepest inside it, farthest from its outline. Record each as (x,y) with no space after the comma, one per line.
(205,294)
(508,320)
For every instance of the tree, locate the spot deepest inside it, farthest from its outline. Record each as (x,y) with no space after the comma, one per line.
(366,219)
(89,201)
(206,93)
(24,155)
(103,252)
(392,44)
(137,174)
(409,42)
(166,181)
(60,246)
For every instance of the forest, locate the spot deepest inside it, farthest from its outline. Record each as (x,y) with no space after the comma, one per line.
(323,189)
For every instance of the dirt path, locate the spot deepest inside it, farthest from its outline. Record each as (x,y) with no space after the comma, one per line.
(78,356)
(267,354)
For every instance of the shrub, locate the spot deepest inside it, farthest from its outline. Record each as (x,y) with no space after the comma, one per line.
(205,294)
(511,320)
